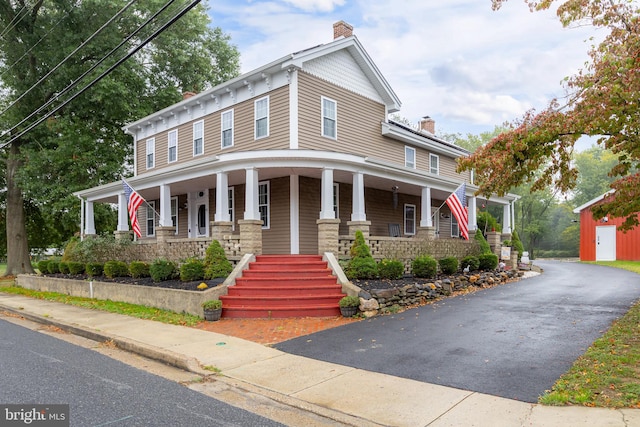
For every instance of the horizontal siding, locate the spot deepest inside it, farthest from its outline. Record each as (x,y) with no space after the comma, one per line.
(309,214)
(277,238)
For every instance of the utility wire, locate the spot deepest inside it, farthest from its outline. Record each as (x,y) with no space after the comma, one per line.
(13,22)
(155,34)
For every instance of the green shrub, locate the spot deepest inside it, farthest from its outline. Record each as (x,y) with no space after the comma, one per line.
(390,269)
(63,267)
(138,269)
(99,249)
(424,266)
(448,265)
(212,304)
(484,245)
(349,301)
(488,261)
(216,263)
(43,266)
(192,269)
(53,267)
(94,269)
(116,269)
(517,243)
(75,267)
(162,269)
(471,261)
(67,255)
(362,265)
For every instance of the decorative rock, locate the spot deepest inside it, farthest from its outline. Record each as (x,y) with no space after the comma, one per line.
(369,304)
(369,313)
(364,295)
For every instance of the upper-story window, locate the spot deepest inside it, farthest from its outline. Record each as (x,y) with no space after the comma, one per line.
(410,157)
(227,128)
(434,164)
(198,138)
(329,118)
(263,203)
(262,117)
(151,153)
(410,219)
(173,145)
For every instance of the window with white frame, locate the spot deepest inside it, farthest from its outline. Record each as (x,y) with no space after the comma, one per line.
(151,218)
(434,164)
(173,145)
(329,118)
(410,219)
(336,200)
(410,157)
(263,203)
(455,227)
(151,152)
(262,117)
(174,213)
(231,211)
(226,119)
(198,138)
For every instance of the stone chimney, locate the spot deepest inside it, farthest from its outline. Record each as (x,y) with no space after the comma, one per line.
(342,29)
(428,124)
(187,95)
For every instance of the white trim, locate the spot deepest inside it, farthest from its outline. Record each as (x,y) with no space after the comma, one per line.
(266,224)
(151,142)
(454,220)
(256,118)
(150,207)
(407,163)
(294,214)
(169,146)
(334,118)
(406,231)
(293,110)
(222,129)
(437,158)
(430,143)
(232,209)
(201,123)
(177,215)
(593,201)
(336,198)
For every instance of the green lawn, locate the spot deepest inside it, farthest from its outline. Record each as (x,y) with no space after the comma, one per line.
(625,265)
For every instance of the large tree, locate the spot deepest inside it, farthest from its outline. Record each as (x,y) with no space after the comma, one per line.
(601,101)
(82,144)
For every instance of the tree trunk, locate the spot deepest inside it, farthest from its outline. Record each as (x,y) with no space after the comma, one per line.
(18,257)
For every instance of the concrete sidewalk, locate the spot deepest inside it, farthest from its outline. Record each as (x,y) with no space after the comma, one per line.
(348,395)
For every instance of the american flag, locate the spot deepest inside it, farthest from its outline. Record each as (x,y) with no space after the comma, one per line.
(134,200)
(457,203)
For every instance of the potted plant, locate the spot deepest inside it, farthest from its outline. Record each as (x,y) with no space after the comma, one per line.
(212,309)
(349,305)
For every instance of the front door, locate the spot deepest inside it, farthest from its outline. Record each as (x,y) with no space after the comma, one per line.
(606,243)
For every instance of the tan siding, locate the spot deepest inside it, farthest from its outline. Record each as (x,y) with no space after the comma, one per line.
(380,211)
(309,213)
(276,239)
(345,206)
(183,217)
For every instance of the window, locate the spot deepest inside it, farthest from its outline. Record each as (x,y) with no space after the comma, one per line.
(231,216)
(262,117)
(174,213)
(173,146)
(202,220)
(434,164)
(198,138)
(329,118)
(151,151)
(410,219)
(455,227)
(263,203)
(151,217)
(410,157)
(227,129)
(336,199)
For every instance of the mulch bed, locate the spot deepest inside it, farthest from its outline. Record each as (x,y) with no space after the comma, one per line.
(146,281)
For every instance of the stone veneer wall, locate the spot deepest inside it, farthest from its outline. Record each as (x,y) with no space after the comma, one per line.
(180,249)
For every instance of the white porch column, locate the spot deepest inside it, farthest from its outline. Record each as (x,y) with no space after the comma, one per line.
(326,204)
(425,208)
(294,213)
(123,213)
(251,197)
(357,213)
(90,225)
(222,197)
(473,219)
(165,206)
(506,219)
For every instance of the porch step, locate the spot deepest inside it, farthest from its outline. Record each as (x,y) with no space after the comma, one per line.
(276,286)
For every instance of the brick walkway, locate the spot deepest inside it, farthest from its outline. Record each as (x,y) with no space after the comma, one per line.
(272,331)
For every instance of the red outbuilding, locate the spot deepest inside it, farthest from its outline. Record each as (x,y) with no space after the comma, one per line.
(600,239)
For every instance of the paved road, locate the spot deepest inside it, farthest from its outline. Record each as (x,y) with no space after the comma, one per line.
(511,341)
(39,369)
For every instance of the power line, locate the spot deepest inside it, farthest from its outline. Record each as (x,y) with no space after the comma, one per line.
(13,22)
(155,34)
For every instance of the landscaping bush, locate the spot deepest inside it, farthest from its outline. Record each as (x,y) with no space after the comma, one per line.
(162,269)
(390,269)
(362,265)
(448,265)
(75,267)
(94,269)
(517,243)
(116,269)
(63,267)
(424,266)
(99,249)
(43,266)
(138,269)
(216,263)
(192,269)
(488,261)
(471,261)
(67,255)
(53,267)
(484,245)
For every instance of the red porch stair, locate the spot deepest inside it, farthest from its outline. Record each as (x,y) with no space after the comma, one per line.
(284,286)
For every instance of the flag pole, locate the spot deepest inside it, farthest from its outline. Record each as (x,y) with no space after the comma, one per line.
(145,200)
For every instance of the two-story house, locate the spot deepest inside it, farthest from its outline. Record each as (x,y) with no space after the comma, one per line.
(291,158)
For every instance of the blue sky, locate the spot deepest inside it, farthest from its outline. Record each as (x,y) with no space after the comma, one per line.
(466,66)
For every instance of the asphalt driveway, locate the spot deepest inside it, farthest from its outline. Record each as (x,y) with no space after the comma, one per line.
(512,341)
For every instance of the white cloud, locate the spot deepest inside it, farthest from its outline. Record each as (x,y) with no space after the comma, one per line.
(315,5)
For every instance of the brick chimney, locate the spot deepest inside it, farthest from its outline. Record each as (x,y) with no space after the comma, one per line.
(428,124)
(187,95)
(342,29)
